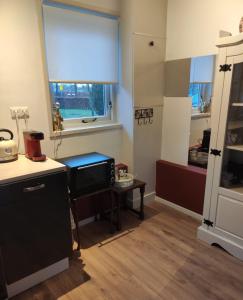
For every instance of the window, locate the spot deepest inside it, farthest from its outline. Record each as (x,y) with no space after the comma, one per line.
(82,101)
(201,82)
(82,60)
(201,94)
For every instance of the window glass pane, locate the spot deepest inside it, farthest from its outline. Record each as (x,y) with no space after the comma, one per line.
(80,100)
(194,92)
(201,94)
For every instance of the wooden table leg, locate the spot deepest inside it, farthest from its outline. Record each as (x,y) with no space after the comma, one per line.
(112,230)
(142,189)
(119,199)
(75,217)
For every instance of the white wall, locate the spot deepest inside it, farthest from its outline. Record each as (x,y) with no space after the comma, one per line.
(193,25)
(22,79)
(125,95)
(141,22)
(149,16)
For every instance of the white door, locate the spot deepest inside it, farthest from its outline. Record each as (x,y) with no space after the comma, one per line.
(226,211)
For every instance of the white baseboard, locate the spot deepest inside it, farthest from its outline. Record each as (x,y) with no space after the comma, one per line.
(36,278)
(212,238)
(147,199)
(135,203)
(179,208)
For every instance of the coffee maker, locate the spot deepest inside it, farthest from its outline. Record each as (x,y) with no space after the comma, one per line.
(32,145)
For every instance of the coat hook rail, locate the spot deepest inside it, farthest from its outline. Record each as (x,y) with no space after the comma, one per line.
(144,116)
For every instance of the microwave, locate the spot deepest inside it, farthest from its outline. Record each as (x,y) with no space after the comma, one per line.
(88,173)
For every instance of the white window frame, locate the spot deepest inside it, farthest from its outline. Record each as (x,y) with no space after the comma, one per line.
(99,120)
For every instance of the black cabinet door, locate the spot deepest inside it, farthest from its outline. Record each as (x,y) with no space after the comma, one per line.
(3,290)
(35,229)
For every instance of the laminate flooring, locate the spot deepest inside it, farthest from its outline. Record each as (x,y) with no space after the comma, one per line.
(159,258)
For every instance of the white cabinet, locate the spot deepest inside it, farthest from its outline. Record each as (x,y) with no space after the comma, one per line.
(223,206)
(148,70)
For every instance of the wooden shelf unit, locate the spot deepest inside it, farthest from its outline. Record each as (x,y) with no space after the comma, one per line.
(235,147)
(239,104)
(235,125)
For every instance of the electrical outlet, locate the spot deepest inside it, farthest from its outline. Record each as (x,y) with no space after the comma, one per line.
(19,112)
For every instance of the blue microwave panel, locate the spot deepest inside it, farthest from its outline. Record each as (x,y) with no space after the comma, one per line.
(84,159)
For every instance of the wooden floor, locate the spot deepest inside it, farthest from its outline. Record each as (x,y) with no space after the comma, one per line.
(159,258)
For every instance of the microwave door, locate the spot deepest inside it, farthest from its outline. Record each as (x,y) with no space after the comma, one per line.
(92,177)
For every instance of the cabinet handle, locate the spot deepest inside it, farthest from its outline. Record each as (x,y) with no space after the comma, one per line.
(94,165)
(34,188)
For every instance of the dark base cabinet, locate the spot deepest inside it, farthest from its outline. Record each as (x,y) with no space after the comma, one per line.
(3,290)
(35,229)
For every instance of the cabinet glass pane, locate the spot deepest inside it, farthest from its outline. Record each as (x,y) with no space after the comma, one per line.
(236,95)
(232,165)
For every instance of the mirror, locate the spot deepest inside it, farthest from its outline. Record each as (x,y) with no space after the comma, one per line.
(191,77)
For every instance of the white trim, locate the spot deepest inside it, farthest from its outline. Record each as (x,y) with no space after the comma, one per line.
(200,115)
(134,203)
(212,238)
(179,208)
(97,9)
(84,129)
(230,40)
(149,35)
(37,277)
(83,81)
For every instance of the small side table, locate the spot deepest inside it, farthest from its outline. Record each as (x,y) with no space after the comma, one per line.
(74,208)
(119,192)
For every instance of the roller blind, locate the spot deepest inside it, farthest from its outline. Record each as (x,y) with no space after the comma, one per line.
(80,46)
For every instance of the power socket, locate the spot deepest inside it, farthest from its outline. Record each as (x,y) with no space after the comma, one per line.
(19,112)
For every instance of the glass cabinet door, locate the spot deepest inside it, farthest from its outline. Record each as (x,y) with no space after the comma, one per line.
(232,163)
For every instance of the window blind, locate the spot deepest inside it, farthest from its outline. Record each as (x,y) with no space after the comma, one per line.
(80,46)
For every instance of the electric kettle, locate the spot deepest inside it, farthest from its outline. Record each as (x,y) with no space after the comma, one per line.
(8,147)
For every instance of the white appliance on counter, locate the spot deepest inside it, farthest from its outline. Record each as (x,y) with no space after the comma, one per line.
(8,147)
(223,206)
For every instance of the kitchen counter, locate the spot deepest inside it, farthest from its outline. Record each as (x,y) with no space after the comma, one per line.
(24,168)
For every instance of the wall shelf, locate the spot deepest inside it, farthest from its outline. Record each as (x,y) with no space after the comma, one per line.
(235,124)
(235,147)
(237,104)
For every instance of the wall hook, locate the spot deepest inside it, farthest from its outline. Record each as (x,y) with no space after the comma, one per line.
(151,44)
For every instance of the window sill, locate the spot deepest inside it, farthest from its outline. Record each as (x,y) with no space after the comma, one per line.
(84,129)
(200,115)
